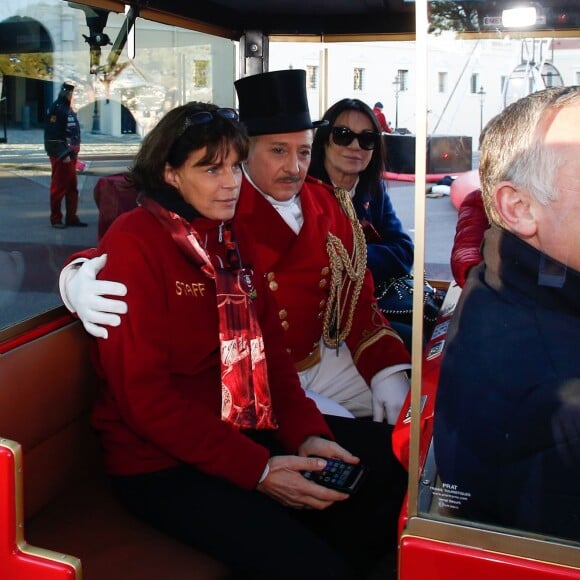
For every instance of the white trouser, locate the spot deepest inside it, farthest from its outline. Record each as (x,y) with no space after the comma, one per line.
(336,385)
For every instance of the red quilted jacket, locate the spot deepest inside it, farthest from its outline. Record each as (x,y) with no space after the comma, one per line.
(471,225)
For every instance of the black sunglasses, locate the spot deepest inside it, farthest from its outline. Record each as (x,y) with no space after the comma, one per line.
(203,117)
(343,137)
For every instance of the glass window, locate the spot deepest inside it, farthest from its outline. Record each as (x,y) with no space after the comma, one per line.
(403,78)
(498,459)
(117,100)
(474,83)
(201,74)
(358,79)
(311,77)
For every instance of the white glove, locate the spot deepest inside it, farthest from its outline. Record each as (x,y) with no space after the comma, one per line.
(389,394)
(82,293)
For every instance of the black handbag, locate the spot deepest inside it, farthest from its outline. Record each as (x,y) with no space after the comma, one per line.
(395,299)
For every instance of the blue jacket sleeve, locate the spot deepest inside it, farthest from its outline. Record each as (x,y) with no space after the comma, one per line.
(392,256)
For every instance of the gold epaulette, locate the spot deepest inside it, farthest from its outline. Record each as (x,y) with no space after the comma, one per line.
(346,277)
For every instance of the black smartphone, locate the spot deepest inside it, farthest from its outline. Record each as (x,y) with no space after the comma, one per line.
(337,474)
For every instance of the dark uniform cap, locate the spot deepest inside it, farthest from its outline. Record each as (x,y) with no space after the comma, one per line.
(275,102)
(67,88)
(378,105)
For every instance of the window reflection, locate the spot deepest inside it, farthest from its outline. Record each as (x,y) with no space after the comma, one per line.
(118,100)
(487,73)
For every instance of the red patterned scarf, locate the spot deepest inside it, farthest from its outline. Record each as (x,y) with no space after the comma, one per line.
(246,399)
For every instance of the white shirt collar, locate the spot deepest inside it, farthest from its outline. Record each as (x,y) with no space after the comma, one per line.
(290,210)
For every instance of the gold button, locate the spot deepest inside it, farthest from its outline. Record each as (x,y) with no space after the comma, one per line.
(270,276)
(285,325)
(325,270)
(322,283)
(289,350)
(322,303)
(282,314)
(273,285)
(320,315)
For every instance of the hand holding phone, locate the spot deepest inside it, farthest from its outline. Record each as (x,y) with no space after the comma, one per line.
(338,475)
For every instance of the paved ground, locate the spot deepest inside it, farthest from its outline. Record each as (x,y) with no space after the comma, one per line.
(25,228)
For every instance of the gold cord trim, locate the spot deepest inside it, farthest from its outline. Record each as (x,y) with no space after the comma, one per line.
(346,277)
(309,361)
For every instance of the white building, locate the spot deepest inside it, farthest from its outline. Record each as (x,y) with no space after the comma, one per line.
(469,81)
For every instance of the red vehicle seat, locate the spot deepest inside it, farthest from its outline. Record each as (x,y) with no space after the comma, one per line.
(113,196)
(61,493)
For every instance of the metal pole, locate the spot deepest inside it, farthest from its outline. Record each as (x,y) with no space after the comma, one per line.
(96,128)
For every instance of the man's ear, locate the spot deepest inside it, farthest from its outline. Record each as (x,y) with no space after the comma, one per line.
(516,208)
(170,176)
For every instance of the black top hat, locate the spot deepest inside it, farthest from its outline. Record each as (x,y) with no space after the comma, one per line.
(275,102)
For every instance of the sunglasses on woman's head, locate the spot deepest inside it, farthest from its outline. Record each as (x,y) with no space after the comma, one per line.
(203,117)
(343,137)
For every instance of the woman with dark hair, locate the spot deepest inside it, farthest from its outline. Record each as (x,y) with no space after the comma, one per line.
(349,153)
(205,427)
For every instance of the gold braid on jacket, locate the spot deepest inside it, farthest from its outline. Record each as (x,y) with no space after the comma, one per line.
(346,277)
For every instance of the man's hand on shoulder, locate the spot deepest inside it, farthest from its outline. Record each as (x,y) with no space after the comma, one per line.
(82,293)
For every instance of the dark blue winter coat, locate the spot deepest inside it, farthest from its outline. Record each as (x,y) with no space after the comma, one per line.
(507,416)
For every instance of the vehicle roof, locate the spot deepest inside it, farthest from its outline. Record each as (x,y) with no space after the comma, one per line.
(232,18)
(330,19)
(317,17)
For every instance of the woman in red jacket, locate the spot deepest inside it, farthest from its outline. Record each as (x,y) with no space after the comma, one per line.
(205,427)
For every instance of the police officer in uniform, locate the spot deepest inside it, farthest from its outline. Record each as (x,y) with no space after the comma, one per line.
(62,142)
